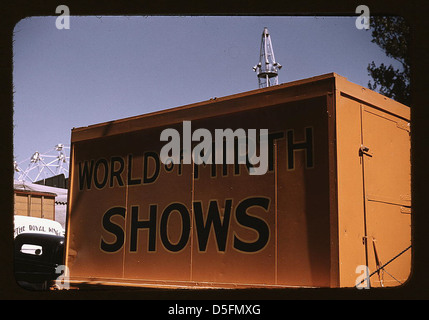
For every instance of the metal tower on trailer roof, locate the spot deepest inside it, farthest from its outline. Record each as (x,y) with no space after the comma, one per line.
(267,69)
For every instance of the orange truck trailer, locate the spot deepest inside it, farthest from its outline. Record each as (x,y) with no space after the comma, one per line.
(332,209)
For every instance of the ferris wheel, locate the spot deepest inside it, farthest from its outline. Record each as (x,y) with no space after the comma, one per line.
(44,165)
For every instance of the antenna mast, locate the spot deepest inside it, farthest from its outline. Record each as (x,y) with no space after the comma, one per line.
(267,69)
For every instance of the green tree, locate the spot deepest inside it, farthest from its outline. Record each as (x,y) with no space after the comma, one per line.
(392,35)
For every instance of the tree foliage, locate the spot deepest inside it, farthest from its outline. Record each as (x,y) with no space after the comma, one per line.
(392,35)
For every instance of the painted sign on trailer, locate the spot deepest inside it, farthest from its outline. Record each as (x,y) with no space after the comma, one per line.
(335,193)
(27,224)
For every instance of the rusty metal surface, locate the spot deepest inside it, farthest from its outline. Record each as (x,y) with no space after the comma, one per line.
(137,221)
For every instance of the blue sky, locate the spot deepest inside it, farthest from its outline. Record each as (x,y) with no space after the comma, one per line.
(108,68)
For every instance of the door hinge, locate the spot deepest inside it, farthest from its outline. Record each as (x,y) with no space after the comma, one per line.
(404,126)
(406,210)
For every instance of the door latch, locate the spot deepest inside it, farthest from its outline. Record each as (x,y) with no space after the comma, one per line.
(363,150)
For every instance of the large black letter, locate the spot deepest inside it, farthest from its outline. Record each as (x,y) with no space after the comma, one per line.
(252,222)
(116,173)
(146,178)
(307,145)
(271,138)
(86,175)
(213,218)
(186,227)
(113,228)
(106,173)
(137,224)
(130,180)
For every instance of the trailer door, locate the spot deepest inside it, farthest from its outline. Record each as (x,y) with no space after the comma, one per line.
(386,170)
